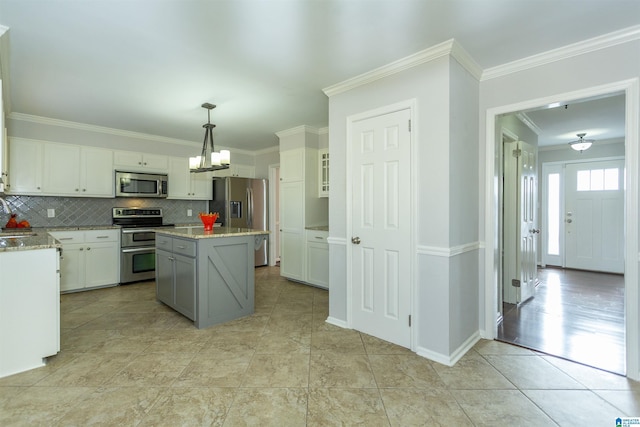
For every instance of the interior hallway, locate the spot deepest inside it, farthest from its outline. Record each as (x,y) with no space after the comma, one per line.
(577,315)
(128,360)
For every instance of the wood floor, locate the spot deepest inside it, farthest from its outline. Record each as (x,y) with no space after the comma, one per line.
(576,315)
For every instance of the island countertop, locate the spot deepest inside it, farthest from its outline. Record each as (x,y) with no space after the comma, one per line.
(218,232)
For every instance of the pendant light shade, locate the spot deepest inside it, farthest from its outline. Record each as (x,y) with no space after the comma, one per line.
(209,159)
(581,144)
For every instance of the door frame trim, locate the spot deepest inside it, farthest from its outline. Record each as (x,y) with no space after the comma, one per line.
(631,88)
(412,106)
(274,212)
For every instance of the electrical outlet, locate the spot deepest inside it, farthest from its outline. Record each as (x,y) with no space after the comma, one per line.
(189,212)
(51,213)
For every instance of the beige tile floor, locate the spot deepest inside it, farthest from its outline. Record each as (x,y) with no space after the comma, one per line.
(127,360)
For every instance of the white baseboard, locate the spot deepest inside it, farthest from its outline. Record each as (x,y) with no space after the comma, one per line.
(337,322)
(450,360)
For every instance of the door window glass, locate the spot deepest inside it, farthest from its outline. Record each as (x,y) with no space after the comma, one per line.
(553,214)
(598,179)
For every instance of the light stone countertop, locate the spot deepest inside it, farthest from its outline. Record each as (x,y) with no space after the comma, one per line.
(41,239)
(218,232)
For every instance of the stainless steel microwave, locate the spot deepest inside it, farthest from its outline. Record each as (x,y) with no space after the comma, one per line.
(135,184)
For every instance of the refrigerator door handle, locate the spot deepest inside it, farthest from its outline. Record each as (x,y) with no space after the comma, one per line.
(249,208)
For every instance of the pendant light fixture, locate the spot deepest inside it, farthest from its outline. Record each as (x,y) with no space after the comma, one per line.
(581,144)
(209,160)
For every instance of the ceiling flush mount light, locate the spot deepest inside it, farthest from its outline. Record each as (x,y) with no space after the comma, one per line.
(581,144)
(209,160)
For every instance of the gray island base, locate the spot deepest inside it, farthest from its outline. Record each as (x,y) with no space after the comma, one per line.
(207,276)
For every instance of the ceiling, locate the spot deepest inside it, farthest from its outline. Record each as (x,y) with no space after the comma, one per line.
(147,65)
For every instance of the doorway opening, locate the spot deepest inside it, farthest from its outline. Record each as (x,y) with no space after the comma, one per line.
(577,308)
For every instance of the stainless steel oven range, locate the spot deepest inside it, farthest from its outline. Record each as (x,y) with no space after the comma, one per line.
(138,242)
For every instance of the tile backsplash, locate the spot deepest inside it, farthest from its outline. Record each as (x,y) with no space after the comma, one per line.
(87,211)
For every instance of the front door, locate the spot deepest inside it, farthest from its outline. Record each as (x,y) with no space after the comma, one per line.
(381,241)
(594,216)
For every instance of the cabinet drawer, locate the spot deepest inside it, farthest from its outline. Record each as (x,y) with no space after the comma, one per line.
(66,237)
(317,236)
(97,236)
(184,247)
(163,242)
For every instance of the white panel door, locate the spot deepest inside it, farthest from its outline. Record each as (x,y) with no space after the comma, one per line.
(527,214)
(594,216)
(520,232)
(380,224)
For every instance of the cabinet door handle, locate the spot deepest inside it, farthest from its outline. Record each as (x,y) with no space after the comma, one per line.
(321,238)
(65,238)
(102,237)
(182,247)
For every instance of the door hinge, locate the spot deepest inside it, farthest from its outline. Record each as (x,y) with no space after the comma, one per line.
(517,153)
(409,320)
(515,283)
(409,125)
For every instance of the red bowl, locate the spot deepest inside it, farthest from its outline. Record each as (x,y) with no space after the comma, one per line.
(208,220)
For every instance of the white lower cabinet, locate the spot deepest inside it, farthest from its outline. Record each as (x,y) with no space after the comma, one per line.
(90,258)
(29,309)
(317,258)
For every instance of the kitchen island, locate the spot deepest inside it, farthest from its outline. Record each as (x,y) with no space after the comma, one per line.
(208,276)
(29,300)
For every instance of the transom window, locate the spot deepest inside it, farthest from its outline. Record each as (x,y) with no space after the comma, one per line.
(598,179)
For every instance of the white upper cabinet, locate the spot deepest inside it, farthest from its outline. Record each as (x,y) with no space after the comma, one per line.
(96,171)
(323,173)
(52,169)
(25,166)
(292,165)
(186,185)
(130,161)
(244,171)
(77,171)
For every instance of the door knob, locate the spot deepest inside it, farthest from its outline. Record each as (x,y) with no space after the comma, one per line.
(534,231)
(569,221)
(355,240)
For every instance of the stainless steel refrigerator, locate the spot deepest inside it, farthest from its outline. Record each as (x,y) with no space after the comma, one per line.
(243,202)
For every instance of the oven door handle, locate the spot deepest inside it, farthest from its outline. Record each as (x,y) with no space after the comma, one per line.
(137,230)
(128,251)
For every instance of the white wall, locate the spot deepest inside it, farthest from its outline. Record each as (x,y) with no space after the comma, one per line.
(556,78)
(265,158)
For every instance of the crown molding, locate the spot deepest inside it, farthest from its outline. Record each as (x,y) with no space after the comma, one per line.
(524,118)
(124,133)
(298,129)
(449,47)
(569,51)
(98,129)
